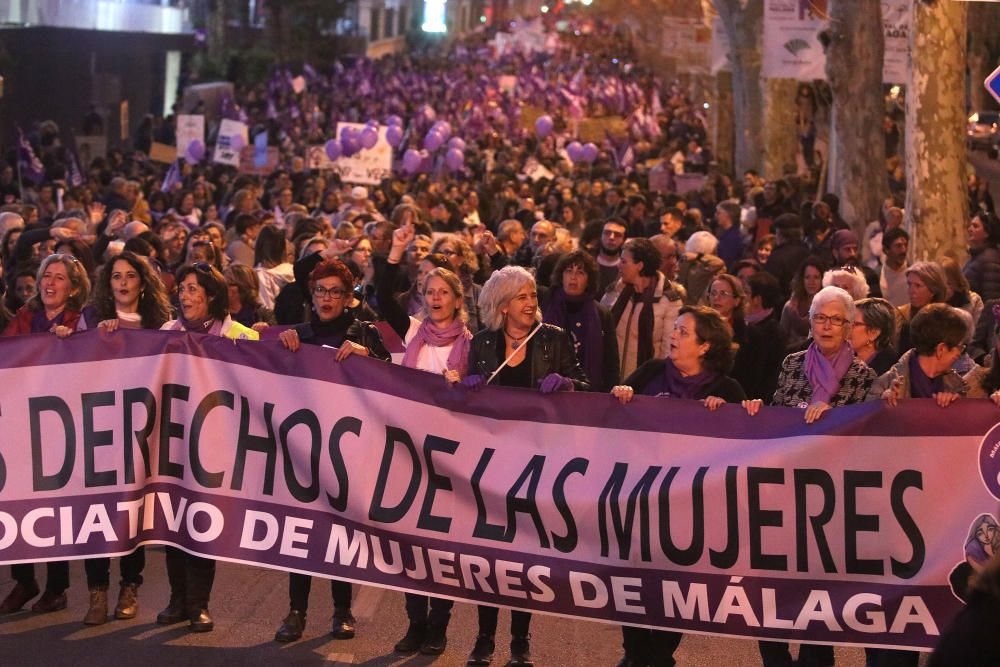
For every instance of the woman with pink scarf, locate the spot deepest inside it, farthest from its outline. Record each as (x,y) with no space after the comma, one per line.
(826,375)
(436,341)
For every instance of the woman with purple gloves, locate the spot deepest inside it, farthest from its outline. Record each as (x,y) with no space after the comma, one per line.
(515,349)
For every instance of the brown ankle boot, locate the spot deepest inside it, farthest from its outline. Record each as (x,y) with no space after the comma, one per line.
(128,601)
(98,612)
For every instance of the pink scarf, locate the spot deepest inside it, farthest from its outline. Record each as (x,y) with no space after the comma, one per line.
(428,334)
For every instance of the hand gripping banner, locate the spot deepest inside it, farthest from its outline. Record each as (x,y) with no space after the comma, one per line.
(864,528)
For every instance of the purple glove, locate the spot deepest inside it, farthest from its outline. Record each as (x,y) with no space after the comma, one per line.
(554,382)
(474,382)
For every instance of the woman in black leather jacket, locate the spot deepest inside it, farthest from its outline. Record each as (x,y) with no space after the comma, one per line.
(515,349)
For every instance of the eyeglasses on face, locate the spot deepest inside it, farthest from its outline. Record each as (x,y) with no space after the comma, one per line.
(335,293)
(834,320)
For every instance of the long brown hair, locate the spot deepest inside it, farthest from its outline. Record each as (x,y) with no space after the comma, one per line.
(154,306)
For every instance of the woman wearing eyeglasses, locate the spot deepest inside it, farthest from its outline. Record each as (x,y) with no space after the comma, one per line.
(826,375)
(331,323)
(63,287)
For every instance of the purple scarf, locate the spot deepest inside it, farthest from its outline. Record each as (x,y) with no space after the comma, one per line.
(583,325)
(825,376)
(675,385)
(428,334)
(922,386)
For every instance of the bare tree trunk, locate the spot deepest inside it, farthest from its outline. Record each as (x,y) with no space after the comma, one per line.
(744,22)
(216,27)
(722,120)
(936,201)
(781,139)
(854,70)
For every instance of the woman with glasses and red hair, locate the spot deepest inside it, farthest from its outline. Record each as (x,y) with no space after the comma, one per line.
(331,323)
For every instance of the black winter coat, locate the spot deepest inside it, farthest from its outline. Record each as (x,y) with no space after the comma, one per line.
(724,386)
(551,352)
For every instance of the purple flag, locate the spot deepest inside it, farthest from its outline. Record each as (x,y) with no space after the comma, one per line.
(28,163)
(172,178)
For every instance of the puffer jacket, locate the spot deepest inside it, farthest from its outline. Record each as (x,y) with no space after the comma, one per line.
(551,352)
(983,272)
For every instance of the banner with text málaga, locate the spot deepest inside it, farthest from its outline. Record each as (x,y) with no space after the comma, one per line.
(862,529)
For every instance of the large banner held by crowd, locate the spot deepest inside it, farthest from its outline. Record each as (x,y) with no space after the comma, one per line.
(861,529)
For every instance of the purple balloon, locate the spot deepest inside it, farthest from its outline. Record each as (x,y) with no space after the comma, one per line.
(455,159)
(369,137)
(394,135)
(237,142)
(443,128)
(411,161)
(433,141)
(575,151)
(457,142)
(333,150)
(543,126)
(195,151)
(394,120)
(351,145)
(589,152)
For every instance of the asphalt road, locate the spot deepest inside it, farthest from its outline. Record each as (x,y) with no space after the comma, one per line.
(248,605)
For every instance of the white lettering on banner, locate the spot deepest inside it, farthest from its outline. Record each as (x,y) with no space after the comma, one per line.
(759,528)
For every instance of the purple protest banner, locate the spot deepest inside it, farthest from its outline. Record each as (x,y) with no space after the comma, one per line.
(860,529)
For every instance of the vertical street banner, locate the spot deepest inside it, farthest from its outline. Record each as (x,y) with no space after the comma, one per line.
(791,46)
(864,528)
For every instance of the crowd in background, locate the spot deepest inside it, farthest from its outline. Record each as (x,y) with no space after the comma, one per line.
(597,275)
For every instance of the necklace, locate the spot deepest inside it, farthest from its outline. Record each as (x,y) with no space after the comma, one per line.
(515,340)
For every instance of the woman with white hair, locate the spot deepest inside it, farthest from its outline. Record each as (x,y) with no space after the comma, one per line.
(848,278)
(699,266)
(826,375)
(515,349)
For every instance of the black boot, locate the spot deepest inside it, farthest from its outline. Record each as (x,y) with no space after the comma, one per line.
(292,627)
(520,651)
(174,611)
(343,624)
(201,621)
(436,639)
(482,652)
(413,639)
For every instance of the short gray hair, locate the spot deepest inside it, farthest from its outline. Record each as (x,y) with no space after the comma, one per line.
(858,285)
(502,286)
(833,294)
(702,243)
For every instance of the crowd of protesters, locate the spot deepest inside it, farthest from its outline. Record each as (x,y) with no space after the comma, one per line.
(588,278)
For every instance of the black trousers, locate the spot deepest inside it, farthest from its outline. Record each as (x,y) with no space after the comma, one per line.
(56,580)
(191,578)
(437,616)
(520,621)
(650,647)
(776,654)
(130,566)
(887,657)
(299,586)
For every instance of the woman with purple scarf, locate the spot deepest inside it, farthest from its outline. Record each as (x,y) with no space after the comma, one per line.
(437,342)
(570,305)
(701,353)
(826,375)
